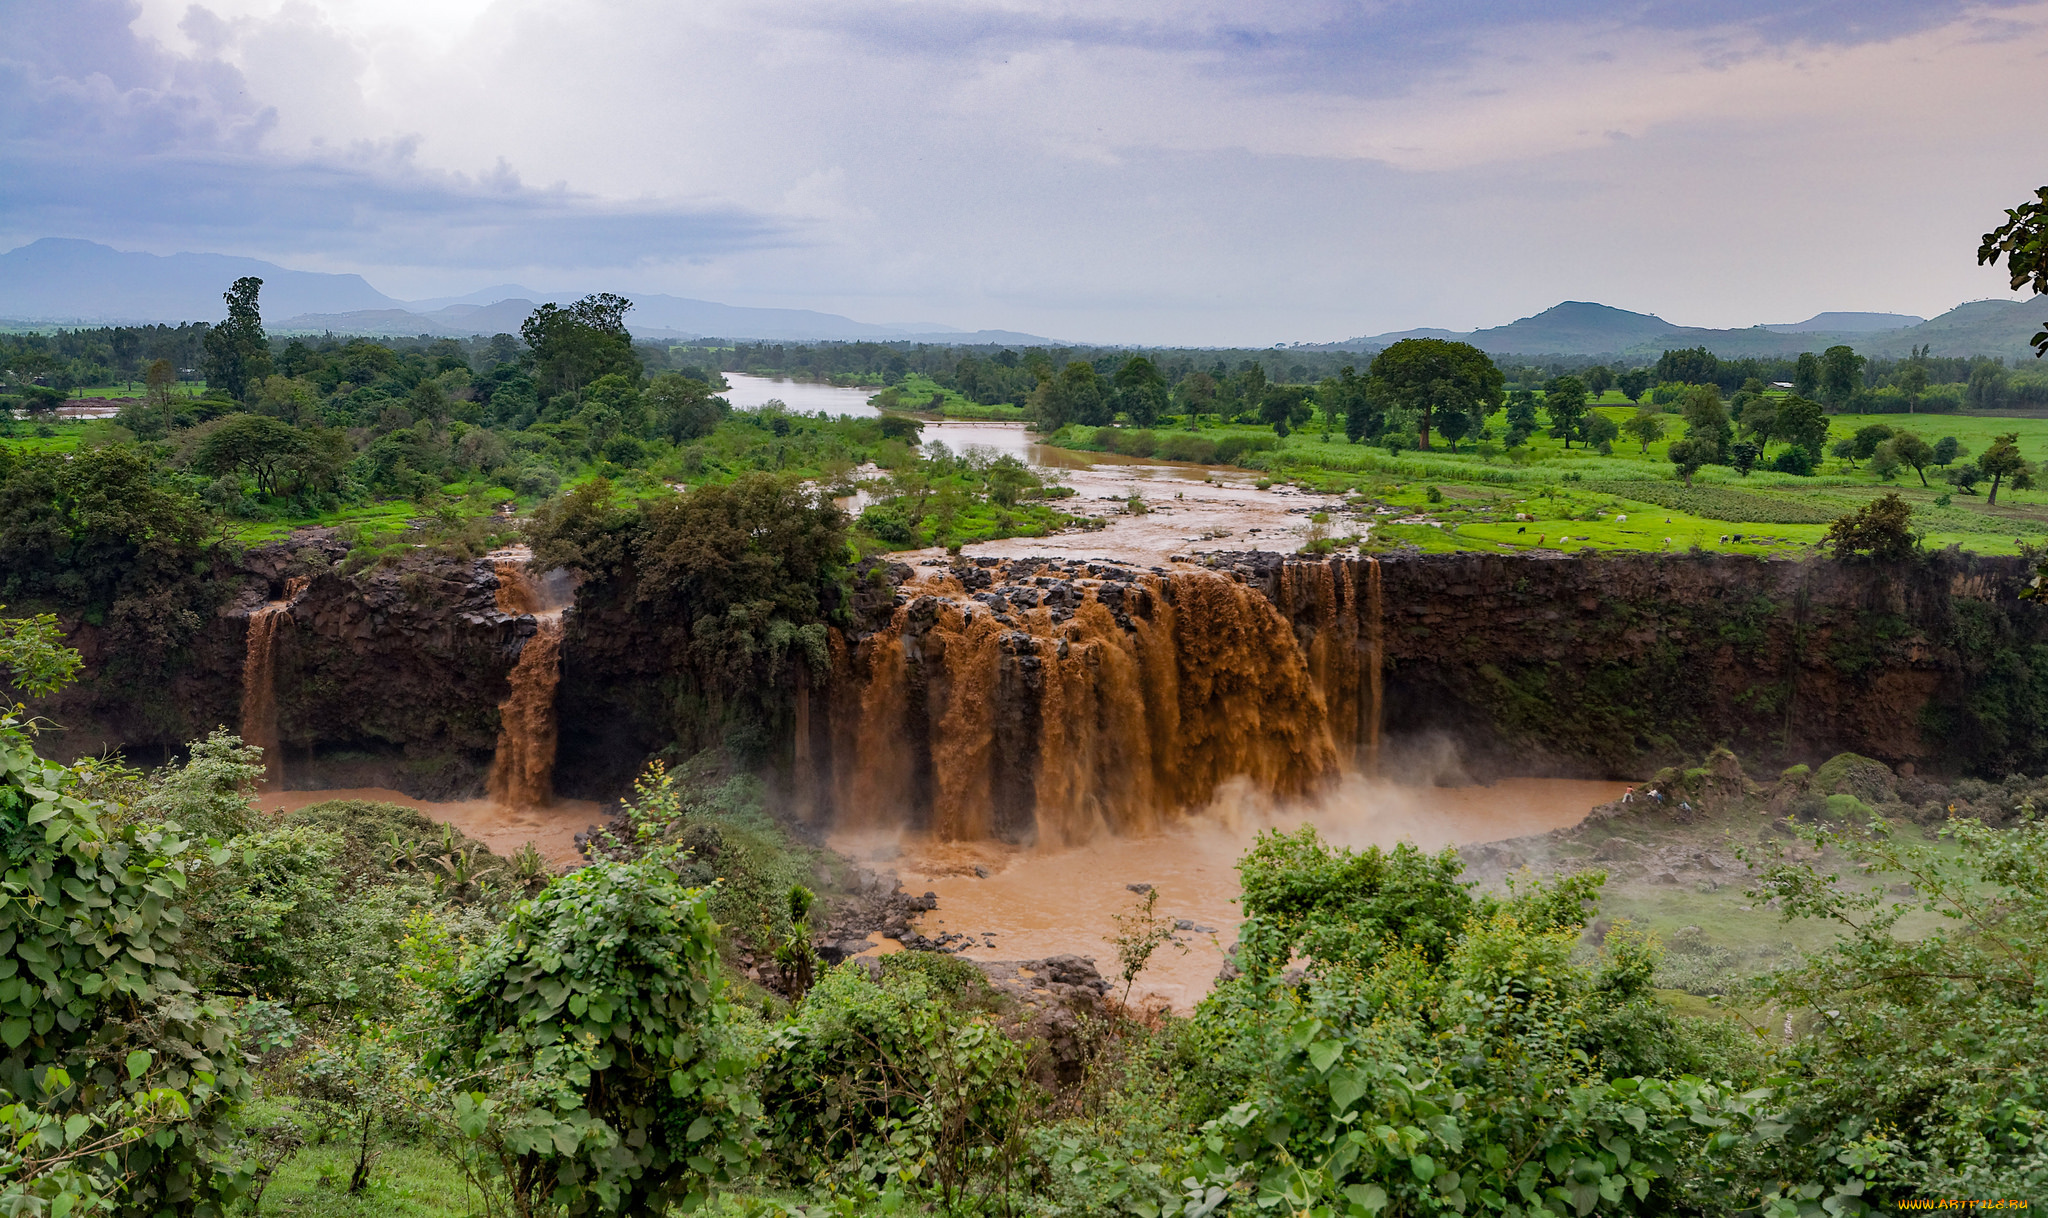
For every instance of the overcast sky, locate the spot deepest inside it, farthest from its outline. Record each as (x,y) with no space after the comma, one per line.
(1169,171)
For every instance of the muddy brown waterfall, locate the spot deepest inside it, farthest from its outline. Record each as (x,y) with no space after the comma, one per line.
(259,682)
(1099,705)
(523,773)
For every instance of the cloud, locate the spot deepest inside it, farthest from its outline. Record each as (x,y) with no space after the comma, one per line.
(1166,170)
(104,133)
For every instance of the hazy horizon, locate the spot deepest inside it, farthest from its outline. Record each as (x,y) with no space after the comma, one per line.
(1175,172)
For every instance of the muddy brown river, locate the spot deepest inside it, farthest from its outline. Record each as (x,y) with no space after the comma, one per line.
(1035,904)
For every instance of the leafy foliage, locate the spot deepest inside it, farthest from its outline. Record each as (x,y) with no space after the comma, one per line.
(107,1044)
(1879,529)
(587,1042)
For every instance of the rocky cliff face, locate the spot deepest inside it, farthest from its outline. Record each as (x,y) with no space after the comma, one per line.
(391,678)
(1588,666)
(1599,665)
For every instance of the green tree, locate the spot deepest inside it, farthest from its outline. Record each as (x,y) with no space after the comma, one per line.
(1139,391)
(585,1043)
(574,346)
(1564,400)
(1706,419)
(1198,396)
(1912,379)
(264,448)
(1073,395)
(1598,378)
(1841,375)
(1286,407)
(1926,1048)
(682,408)
(157,392)
(1645,426)
(119,1082)
(1521,415)
(1427,375)
(237,355)
(1880,529)
(1743,456)
(1802,422)
(1759,419)
(1351,395)
(1692,366)
(1634,383)
(1689,454)
(1599,431)
(2023,242)
(1806,375)
(1947,449)
(1914,451)
(1866,439)
(2002,462)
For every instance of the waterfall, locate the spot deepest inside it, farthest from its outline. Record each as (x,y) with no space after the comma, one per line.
(523,772)
(259,681)
(1132,703)
(1375,661)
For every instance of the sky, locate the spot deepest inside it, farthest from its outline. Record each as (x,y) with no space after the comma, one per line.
(1181,172)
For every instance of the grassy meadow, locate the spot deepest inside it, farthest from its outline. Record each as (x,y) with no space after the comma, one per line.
(1550,497)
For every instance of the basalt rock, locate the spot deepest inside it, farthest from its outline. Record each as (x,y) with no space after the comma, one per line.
(388,678)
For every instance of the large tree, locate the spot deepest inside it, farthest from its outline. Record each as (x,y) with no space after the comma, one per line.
(1802,422)
(2023,242)
(1564,400)
(574,346)
(267,449)
(1139,391)
(237,354)
(1841,375)
(1428,375)
(2003,464)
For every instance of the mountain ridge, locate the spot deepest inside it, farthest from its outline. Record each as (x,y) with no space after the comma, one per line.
(1581,328)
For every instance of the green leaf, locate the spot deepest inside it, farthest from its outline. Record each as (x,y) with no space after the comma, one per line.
(1424,1168)
(1370,1198)
(1324,1053)
(138,1063)
(14,1031)
(1345,1088)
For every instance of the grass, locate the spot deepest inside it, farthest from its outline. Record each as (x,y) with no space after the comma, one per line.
(407,1181)
(1577,499)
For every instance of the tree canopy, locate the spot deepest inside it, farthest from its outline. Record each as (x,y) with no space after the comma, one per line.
(237,353)
(1432,375)
(2023,242)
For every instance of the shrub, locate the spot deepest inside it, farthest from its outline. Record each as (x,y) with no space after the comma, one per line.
(114,1069)
(588,1046)
(1878,528)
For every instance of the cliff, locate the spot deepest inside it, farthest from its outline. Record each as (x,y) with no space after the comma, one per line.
(949,693)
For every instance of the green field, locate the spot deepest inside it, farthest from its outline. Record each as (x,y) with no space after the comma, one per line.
(1545,496)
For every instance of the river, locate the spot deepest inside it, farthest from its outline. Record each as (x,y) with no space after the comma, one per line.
(1035,903)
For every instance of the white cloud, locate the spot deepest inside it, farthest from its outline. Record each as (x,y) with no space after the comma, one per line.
(1168,171)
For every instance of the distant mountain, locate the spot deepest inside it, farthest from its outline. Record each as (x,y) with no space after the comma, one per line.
(82,282)
(1848,323)
(1575,325)
(1985,327)
(62,281)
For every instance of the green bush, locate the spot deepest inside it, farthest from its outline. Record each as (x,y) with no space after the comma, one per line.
(891,1083)
(587,1046)
(115,1070)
